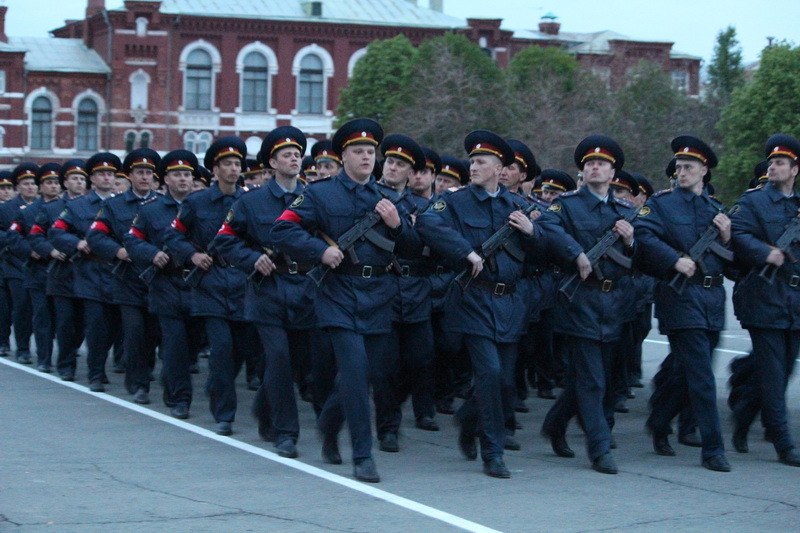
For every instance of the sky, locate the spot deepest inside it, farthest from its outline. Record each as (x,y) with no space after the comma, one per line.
(691,25)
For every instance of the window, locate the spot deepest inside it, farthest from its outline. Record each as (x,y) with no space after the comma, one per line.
(680,80)
(144,140)
(2,81)
(2,137)
(255,83)
(87,125)
(139,83)
(141,26)
(311,85)
(41,124)
(130,141)
(198,81)
(196,142)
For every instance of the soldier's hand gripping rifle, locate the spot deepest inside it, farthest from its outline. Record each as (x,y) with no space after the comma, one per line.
(150,272)
(602,248)
(784,244)
(257,277)
(705,244)
(492,245)
(363,228)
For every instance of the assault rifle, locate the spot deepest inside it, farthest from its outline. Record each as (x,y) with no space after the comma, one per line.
(363,228)
(602,248)
(705,244)
(492,245)
(784,244)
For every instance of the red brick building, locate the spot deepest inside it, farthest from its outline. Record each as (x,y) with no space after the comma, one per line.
(178,73)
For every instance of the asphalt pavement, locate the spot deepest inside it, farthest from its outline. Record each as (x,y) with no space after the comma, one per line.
(76,461)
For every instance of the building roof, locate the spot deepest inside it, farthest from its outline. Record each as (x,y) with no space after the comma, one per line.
(590,43)
(56,55)
(377,12)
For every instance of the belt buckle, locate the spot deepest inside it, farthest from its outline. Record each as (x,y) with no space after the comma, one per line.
(293,267)
(499,289)
(794,281)
(607,285)
(405,271)
(707,282)
(366,271)
(186,272)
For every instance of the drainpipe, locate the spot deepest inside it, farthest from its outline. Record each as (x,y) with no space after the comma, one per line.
(109,77)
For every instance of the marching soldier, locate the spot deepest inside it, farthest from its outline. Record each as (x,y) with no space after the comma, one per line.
(767,300)
(105,237)
(692,317)
(279,297)
(34,265)
(354,299)
(218,288)
(169,296)
(489,311)
(326,160)
(590,321)
(60,286)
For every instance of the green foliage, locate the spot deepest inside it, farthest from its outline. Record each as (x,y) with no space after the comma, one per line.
(536,64)
(725,73)
(768,105)
(380,78)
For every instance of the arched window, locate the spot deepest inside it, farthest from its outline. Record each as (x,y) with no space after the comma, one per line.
(87,125)
(197,95)
(139,82)
(141,27)
(2,137)
(203,142)
(310,97)
(145,139)
(41,124)
(130,141)
(255,83)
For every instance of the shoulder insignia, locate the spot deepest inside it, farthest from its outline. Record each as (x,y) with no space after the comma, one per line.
(555,208)
(568,194)
(457,189)
(229,217)
(662,193)
(439,206)
(150,200)
(644,211)
(298,201)
(320,180)
(252,187)
(754,189)
(623,203)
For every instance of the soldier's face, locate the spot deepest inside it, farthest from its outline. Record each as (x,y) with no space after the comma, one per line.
(549,195)
(623,194)
(228,169)
(103,180)
(27,188)
(444,182)
(141,179)
(598,171)
(6,193)
(422,181)
(484,169)
(781,170)
(396,171)
(50,188)
(75,184)
(327,168)
(286,162)
(690,173)
(179,182)
(512,176)
(359,161)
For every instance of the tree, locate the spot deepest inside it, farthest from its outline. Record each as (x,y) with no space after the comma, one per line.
(725,73)
(536,63)
(379,81)
(455,88)
(768,105)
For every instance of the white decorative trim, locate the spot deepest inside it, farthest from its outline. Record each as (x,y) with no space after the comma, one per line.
(351,63)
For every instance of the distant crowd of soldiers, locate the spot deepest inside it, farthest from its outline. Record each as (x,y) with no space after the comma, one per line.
(376,270)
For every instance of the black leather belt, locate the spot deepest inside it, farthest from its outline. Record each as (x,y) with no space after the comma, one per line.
(792,279)
(708,281)
(603,285)
(407,271)
(364,271)
(442,269)
(172,270)
(293,268)
(498,289)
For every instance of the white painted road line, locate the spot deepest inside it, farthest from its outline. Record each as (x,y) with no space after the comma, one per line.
(368,490)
